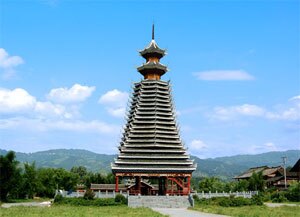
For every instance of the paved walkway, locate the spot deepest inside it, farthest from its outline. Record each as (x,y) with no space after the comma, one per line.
(45,203)
(182,212)
(280,204)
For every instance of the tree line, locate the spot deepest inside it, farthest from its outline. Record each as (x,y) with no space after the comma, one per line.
(26,180)
(214,184)
(19,181)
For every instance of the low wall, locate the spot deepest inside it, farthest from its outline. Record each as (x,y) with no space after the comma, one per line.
(159,201)
(245,194)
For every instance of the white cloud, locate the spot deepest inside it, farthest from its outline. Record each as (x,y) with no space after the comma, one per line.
(288,112)
(17,100)
(24,112)
(37,124)
(117,112)
(54,110)
(224,75)
(271,146)
(115,102)
(266,147)
(197,145)
(8,63)
(229,113)
(295,98)
(77,93)
(114,97)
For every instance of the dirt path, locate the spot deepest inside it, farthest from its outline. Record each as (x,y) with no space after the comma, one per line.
(45,203)
(182,212)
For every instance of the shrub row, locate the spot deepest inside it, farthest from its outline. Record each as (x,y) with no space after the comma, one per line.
(230,201)
(291,194)
(118,200)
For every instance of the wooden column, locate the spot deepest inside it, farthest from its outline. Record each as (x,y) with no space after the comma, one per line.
(117,184)
(189,184)
(139,185)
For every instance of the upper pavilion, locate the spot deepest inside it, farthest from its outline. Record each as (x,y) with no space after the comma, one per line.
(152,69)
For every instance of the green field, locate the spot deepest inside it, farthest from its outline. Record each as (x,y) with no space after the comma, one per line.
(73,211)
(251,211)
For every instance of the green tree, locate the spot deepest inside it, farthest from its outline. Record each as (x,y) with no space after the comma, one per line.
(212,184)
(8,174)
(31,181)
(65,179)
(46,177)
(242,185)
(81,171)
(257,182)
(110,178)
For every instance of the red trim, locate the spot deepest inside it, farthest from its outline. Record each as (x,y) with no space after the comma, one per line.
(189,184)
(117,184)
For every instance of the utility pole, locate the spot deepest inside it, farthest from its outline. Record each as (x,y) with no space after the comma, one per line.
(284,170)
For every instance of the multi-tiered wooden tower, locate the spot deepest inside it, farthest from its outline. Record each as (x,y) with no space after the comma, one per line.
(151,148)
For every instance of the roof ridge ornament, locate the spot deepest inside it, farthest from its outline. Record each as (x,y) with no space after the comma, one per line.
(153,31)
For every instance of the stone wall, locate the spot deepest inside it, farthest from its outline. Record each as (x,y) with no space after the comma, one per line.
(159,201)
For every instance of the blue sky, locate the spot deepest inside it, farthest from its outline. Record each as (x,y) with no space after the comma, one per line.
(66,70)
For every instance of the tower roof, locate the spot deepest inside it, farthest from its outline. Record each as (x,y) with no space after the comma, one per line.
(151,142)
(152,69)
(152,50)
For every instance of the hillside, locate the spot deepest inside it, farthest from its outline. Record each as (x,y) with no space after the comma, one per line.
(67,158)
(223,167)
(269,159)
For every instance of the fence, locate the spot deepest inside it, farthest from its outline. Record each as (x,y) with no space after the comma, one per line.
(245,194)
(112,194)
(98,194)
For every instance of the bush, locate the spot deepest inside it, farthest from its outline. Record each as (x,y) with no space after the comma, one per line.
(224,201)
(203,201)
(278,197)
(195,197)
(84,202)
(240,201)
(120,199)
(257,200)
(58,198)
(229,201)
(89,195)
(293,193)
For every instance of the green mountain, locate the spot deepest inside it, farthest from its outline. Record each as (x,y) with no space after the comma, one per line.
(223,167)
(273,158)
(67,158)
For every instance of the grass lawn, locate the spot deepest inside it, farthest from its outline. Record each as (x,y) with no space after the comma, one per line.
(251,211)
(28,200)
(73,211)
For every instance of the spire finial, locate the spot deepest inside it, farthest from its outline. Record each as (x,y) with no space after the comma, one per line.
(153,31)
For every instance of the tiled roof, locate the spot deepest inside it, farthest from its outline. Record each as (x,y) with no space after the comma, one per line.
(296,167)
(266,171)
(151,49)
(151,142)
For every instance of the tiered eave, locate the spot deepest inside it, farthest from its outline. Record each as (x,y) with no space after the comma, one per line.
(151,141)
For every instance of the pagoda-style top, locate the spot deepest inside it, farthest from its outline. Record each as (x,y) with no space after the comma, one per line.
(152,69)
(152,50)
